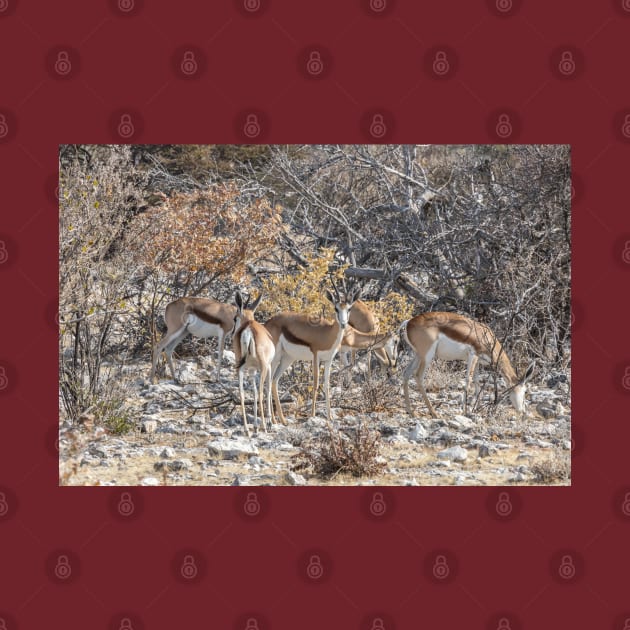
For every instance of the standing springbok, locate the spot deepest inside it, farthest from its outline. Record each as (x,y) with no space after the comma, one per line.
(300,337)
(452,337)
(254,350)
(199,317)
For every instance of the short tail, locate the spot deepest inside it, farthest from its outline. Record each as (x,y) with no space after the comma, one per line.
(248,346)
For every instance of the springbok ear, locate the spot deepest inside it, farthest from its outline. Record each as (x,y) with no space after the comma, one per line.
(528,372)
(254,306)
(356,295)
(238,299)
(330,296)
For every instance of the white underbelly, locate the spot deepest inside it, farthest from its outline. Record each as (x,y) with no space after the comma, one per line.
(298,352)
(451,350)
(199,328)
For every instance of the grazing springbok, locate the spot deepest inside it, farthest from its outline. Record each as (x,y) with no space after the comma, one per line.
(301,337)
(254,350)
(452,337)
(384,346)
(199,317)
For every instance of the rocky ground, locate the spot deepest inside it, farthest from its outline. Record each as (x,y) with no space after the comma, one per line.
(192,434)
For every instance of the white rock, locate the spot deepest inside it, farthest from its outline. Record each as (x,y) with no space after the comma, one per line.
(226,448)
(167,452)
(418,433)
(294,479)
(454,453)
(150,481)
(461,423)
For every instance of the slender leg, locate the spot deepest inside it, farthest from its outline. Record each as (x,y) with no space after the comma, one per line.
(327,387)
(167,344)
(422,367)
(315,381)
(471,366)
(255,388)
(269,411)
(261,395)
(240,388)
(220,359)
(283,365)
(409,371)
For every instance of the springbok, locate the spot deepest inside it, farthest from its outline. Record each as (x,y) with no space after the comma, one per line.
(300,337)
(200,317)
(362,320)
(384,345)
(254,350)
(453,337)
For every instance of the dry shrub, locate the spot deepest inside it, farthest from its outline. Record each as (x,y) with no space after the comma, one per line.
(347,451)
(553,469)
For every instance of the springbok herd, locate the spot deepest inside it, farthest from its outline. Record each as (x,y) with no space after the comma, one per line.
(271,348)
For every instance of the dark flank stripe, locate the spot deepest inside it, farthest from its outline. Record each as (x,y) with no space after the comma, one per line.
(205,317)
(292,338)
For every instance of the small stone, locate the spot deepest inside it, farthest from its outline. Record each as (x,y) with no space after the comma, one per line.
(418,433)
(454,453)
(167,452)
(484,450)
(294,479)
(150,481)
(461,423)
(226,448)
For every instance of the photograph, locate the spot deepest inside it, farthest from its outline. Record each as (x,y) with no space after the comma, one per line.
(315,315)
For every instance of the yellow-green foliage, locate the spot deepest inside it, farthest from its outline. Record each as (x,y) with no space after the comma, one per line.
(304,290)
(391,311)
